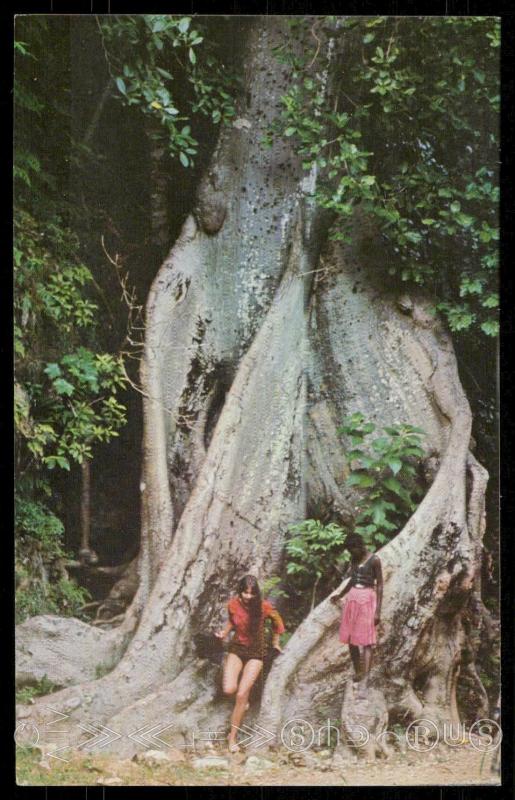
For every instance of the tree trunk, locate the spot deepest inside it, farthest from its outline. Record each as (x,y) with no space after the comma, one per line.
(250,366)
(160,235)
(85,505)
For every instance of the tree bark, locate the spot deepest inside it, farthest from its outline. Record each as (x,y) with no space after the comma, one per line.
(250,366)
(160,235)
(85,505)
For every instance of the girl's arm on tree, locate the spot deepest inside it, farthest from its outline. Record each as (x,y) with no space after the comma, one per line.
(336,597)
(277,624)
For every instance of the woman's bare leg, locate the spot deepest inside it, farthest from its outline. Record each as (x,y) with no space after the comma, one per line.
(232,668)
(249,676)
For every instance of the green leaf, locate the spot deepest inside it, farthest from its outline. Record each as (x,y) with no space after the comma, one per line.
(378,514)
(121,85)
(158,24)
(492,301)
(63,386)
(490,327)
(368,180)
(394,485)
(352,455)
(368,37)
(391,430)
(52,370)
(192,56)
(184,159)
(360,479)
(184,24)
(381,444)
(164,73)
(395,465)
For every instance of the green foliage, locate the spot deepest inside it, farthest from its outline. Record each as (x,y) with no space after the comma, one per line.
(314,552)
(66,395)
(65,400)
(271,587)
(49,282)
(412,139)
(313,547)
(28,693)
(66,389)
(63,405)
(41,588)
(36,596)
(385,468)
(35,520)
(158,66)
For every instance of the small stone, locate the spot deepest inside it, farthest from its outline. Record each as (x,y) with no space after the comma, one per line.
(211,761)
(151,758)
(73,703)
(298,759)
(256,763)
(241,122)
(112,781)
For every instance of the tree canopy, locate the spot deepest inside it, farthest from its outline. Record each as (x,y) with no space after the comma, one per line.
(412,139)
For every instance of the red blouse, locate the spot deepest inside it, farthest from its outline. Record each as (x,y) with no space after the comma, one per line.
(239,617)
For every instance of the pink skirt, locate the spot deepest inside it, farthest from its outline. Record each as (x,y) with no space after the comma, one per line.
(357,623)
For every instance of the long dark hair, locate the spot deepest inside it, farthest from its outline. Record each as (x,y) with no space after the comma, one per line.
(354,540)
(249,583)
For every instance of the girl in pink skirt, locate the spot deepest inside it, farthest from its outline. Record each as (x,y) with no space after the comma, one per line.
(361,610)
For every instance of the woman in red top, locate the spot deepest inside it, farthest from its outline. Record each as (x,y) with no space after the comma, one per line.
(247,614)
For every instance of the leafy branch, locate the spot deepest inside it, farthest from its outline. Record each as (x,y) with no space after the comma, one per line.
(385,468)
(384,146)
(167,67)
(313,549)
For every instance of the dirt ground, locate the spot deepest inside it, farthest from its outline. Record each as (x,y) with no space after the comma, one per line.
(443,766)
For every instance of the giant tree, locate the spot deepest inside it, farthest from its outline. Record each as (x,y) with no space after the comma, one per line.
(315,277)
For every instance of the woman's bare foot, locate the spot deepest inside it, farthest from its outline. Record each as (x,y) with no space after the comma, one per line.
(233,747)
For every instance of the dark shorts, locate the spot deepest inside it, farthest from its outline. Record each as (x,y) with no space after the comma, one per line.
(245,653)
